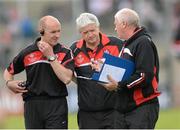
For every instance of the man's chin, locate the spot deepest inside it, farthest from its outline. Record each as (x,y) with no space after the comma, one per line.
(92,42)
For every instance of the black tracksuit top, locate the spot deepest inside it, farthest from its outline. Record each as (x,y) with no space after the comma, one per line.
(91,95)
(41,79)
(142,86)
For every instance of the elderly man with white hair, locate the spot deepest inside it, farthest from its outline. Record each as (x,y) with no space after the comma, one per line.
(137,106)
(96,104)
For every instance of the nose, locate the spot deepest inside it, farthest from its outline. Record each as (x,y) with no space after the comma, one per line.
(90,34)
(57,34)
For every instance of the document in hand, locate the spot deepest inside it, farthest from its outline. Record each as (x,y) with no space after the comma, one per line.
(118,68)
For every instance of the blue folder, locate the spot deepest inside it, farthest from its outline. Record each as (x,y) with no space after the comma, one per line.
(118,67)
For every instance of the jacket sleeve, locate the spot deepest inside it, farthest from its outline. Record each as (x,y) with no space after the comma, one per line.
(68,60)
(17,65)
(144,66)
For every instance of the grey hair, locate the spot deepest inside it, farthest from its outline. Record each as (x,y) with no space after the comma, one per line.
(85,19)
(128,15)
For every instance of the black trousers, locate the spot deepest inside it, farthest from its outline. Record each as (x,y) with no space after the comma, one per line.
(143,117)
(96,120)
(46,113)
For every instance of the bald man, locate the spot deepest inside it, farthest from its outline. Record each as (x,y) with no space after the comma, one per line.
(49,67)
(138,106)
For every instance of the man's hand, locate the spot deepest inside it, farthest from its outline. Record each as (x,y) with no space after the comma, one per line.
(14,86)
(45,48)
(97,65)
(112,85)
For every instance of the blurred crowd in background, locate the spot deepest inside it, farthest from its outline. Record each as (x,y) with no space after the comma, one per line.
(18,27)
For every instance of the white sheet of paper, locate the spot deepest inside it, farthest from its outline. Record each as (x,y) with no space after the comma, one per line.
(115,72)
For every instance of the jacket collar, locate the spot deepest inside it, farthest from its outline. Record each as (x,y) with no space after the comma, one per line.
(103,40)
(81,44)
(138,32)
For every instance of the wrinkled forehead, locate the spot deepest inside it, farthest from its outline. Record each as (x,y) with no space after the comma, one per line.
(89,27)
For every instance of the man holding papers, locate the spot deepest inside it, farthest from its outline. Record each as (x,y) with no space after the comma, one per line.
(138,106)
(96,104)
(119,68)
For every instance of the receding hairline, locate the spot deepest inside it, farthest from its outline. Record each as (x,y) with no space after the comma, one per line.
(46,19)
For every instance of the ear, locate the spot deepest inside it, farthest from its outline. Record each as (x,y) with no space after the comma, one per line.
(41,32)
(124,24)
(41,29)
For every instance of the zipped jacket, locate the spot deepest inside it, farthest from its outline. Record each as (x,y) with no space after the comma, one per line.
(91,95)
(142,86)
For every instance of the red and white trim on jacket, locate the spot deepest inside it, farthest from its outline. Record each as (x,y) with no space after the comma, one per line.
(138,94)
(82,77)
(139,80)
(37,57)
(67,62)
(11,70)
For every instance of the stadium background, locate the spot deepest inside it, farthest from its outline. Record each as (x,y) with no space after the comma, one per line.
(18,27)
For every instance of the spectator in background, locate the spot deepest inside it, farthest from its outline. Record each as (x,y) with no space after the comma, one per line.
(124,3)
(176,42)
(103,9)
(9,30)
(27,29)
(5,47)
(49,67)
(96,104)
(138,105)
(176,30)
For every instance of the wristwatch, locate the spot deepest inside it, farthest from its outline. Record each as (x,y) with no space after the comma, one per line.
(52,58)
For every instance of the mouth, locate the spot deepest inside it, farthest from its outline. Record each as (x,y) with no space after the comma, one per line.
(92,38)
(55,39)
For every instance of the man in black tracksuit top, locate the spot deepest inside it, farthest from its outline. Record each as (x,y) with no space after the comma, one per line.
(96,104)
(49,67)
(137,102)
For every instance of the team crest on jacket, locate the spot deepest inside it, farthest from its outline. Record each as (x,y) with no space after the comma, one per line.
(32,57)
(80,59)
(106,51)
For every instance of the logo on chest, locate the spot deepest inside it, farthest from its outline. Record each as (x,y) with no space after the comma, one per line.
(34,57)
(106,51)
(79,59)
